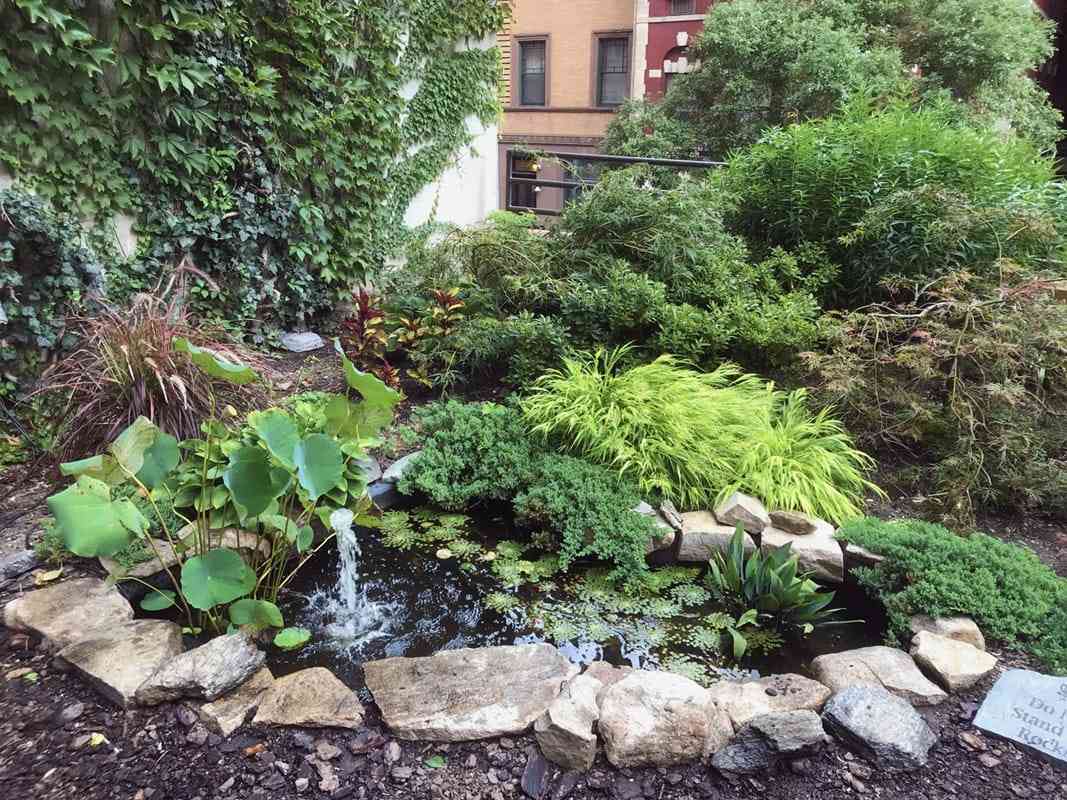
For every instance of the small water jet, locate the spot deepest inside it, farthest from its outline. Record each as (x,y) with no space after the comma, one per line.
(346,615)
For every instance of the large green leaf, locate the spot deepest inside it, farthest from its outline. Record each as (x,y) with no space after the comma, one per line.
(214,365)
(219,576)
(257,613)
(378,399)
(278,432)
(159,460)
(252,482)
(158,599)
(91,523)
(319,464)
(103,467)
(143,450)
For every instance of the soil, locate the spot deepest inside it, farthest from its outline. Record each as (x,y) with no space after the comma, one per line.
(47,720)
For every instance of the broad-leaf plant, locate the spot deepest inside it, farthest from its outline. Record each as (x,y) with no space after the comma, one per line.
(252,489)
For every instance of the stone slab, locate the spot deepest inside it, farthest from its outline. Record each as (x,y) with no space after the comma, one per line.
(310,698)
(882,666)
(67,612)
(468,694)
(746,700)
(301,342)
(231,711)
(1029,709)
(703,537)
(818,553)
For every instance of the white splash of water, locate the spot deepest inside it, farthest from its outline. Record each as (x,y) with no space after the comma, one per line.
(349,617)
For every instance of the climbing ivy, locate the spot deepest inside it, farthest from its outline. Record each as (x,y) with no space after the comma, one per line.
(268,142)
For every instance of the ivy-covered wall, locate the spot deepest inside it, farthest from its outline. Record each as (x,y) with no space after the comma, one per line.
(276,144)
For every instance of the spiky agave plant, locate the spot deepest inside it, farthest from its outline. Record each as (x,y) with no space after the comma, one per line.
(673,429)
(125,366)
(803,461)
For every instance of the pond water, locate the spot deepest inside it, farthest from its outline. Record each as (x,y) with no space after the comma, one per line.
(411,603)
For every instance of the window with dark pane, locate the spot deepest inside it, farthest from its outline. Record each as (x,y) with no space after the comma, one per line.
(682,6)
(613,72)
(532,58)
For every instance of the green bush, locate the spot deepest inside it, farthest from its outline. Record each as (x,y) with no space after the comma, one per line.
(693,437)
(46,271)
(895,192)
(472,453)
(591,509)
(1006,589)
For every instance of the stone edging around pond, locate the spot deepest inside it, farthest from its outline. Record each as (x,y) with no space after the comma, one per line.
(640,718)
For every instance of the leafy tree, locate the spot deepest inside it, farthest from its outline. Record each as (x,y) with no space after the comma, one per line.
(766,62)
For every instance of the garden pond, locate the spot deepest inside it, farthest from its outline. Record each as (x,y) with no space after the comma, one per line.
(456,582)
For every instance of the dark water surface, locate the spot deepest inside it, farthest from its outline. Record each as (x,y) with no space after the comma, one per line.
(427,604)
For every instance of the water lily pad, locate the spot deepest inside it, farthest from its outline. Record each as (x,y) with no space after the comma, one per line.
(257,613)
(158,600)
(252,482)
(219,576)
(91,523)
(292,638)
(319,464)
(278,432)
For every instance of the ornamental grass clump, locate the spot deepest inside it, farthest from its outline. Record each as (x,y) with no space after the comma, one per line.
(693,437)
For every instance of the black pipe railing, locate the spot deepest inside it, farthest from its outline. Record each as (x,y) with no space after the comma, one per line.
(535,184)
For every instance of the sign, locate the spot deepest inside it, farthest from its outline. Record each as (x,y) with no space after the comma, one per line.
(1030,709)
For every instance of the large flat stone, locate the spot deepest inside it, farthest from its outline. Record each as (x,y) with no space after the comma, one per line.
(665,532)
(1029,709)
(818,553)
(468,694)
(399,468)
(703,537)
(231,711)
(566,732)
(771,738)
(962,629)
(953,664)
(204,673)
(881,726)
(886,667)
(744,701)
(69,611)
(794,522)
(660,719)
(116,661)
(310,698)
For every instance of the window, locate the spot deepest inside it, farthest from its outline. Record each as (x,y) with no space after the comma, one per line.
(682,7)
(532,72)
(613,70)
(523,195)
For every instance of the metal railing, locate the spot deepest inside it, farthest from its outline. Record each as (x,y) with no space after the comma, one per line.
(572,163)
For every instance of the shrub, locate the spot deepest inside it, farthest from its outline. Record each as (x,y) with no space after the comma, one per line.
(871,187)
(1012,596)
(46,271)
(126,366)
(645,130)
(591,509)
(472,453)
(674,430)
(972,374)
(803,462)
(611,304)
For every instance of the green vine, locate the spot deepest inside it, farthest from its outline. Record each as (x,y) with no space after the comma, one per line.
(267,141)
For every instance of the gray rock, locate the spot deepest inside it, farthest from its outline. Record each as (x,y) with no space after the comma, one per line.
(660,719)
(886,667)
(384,495)
(670,515)
(818,553)
(953,664)
(703,537)
(748,511)
(962,629)
(666,533)
(118,660)
(534,777)
(310,698)
(745,701)
(16,564)
(231,711)
(882,727)
(67,612)
(301,342)
(565,732)
(205,673)
(856,557)
(372,470)
(794,522)
(468,694)
(771,738)
(398,468)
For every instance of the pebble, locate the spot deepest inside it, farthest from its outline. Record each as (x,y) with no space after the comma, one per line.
(79,742)
(861,771)
(283,767)
(70,713)
(507,743)
(392,752)
(226,785)
(472,762)
(302,784)
(972,741)
(855,783)
(988,760)
(327,751)
(186,716)
(197,735)
(401,774)
(534,776)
